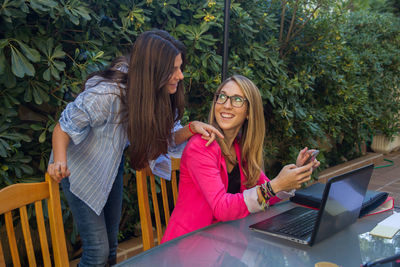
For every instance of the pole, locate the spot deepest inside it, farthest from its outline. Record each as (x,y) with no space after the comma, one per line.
(226,37)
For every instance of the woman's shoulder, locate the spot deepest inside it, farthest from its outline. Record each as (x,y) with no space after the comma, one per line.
(196,142)
(98,84)
(197,150)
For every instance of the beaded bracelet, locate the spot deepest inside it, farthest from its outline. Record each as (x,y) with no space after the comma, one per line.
(270,188)
(264,201)
(266,193)
(263,204)
(190,129)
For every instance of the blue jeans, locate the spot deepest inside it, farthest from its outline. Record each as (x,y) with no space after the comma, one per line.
(99,233)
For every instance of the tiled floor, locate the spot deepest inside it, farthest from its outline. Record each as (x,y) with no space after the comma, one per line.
(387,178)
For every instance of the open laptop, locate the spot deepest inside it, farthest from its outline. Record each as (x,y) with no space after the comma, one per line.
(340,206)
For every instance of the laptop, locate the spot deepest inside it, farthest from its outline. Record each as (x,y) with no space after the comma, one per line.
(340,206)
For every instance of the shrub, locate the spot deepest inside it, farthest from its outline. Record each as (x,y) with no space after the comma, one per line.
(356,75)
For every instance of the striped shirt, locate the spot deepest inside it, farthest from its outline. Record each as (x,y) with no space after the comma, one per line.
(98,138)
(162,165)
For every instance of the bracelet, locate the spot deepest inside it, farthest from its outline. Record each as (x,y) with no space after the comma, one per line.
(190,129)
(263,204)
(264,201)
(270,188)
(266,193)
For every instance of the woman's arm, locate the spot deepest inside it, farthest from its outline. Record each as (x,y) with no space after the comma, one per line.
(207,131)
(60,140)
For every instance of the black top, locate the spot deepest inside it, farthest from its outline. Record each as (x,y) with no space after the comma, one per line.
(234,180)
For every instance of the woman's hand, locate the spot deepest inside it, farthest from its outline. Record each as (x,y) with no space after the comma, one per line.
(304,155)
(58,170)
(207,131)
(292,177)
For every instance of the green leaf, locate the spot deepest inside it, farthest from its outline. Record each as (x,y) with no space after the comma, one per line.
(42,165)
(41,45)
(37,97)
(42,137)
(43,94)
(24,159)
(74,19)
(84,12)
(5,144)
(30,53)
(98,55)
(174,10)
(60,65)
(54,72)
(51,128)
(17,137)
(28,95)
(36,5)
(26,169)
(58,52)
(36,127)
(20,65)
(42,5)
(18,172)
(46,74)
(49,47)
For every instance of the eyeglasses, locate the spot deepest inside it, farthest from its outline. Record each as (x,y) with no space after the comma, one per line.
(236,101)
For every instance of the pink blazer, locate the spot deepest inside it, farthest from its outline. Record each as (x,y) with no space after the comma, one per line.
(203,182)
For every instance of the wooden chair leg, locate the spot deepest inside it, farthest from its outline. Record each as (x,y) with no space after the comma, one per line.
(144,211)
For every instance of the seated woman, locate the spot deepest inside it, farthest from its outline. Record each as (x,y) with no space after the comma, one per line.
(225,181)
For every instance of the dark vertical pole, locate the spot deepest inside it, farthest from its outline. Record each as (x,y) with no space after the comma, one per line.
(226,36)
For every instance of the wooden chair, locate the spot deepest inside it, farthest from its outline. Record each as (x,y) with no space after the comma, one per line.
(144,204)
(19,196)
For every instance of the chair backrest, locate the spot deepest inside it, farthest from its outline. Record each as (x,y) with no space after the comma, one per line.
(144,203)
(20,196)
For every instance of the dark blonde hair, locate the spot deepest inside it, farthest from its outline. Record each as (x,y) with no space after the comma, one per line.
(152,111)
(251,136)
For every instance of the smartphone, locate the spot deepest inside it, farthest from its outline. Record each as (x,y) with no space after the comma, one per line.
(313,155)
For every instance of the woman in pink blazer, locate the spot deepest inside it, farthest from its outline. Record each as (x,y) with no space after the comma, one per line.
(224,181)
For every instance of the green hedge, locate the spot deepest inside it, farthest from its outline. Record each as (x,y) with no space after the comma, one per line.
(331,85)
(354,70)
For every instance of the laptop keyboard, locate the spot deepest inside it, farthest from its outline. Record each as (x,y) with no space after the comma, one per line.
(301,226)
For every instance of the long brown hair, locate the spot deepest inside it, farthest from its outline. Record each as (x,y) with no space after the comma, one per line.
(251,136)
(152,111)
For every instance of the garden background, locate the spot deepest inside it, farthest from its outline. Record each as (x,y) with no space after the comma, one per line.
(328,72)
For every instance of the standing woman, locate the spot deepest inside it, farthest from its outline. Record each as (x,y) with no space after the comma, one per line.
(225,180)
(141,105)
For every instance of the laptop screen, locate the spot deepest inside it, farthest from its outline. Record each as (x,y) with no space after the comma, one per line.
(343,203)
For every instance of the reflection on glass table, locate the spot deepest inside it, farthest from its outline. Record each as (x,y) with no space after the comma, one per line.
(234,244)
(369,245)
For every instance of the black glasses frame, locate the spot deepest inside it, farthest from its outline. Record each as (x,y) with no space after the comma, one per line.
(230,98)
